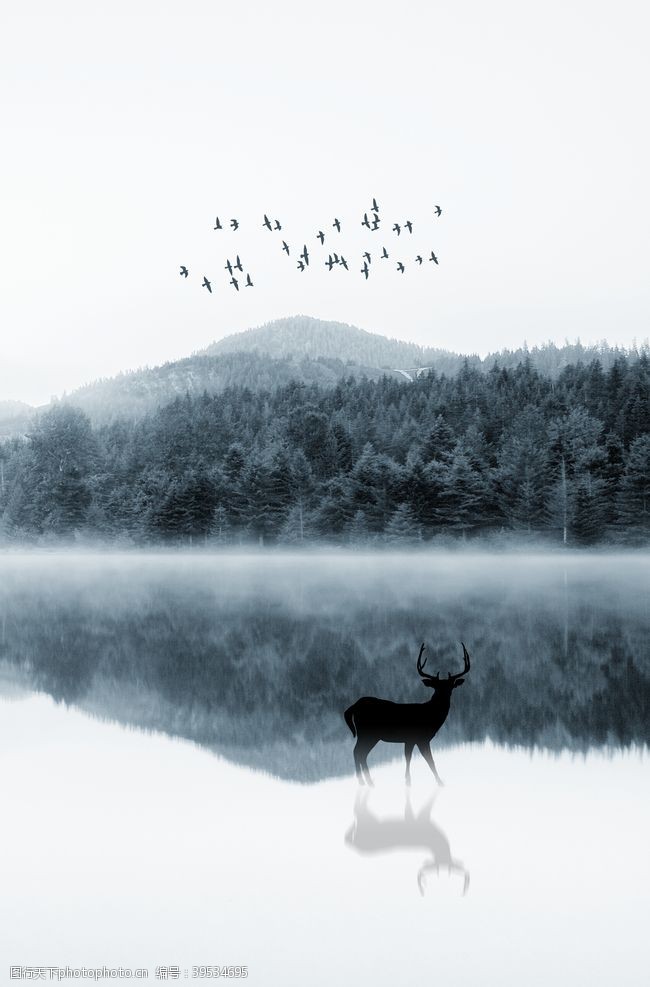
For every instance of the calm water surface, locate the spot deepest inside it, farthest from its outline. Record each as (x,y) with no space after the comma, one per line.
(179,777)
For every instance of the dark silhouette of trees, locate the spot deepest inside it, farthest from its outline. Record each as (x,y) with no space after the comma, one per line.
(563,458)
(634,490)
(52,488)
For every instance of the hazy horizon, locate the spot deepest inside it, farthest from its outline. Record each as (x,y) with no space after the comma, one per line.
(482,354)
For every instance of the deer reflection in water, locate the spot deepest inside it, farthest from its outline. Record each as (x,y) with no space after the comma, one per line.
(373,834)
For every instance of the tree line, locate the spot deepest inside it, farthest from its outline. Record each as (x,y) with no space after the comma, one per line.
(364,461)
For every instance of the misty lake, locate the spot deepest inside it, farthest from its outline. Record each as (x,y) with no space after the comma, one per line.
(180,786)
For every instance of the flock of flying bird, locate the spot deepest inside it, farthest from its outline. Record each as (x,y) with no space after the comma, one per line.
(334,259)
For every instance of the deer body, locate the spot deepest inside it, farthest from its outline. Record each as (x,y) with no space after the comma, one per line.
(399,723)
(412,724)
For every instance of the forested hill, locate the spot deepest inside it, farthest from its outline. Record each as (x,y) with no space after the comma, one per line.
(303,349)
(300,348)
(302,336)
(361,461)
(134,394)
(14,418)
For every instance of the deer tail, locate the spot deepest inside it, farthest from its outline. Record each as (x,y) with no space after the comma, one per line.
(349,719)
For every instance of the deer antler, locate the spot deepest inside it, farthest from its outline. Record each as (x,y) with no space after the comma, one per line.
(465,670)
(426,678)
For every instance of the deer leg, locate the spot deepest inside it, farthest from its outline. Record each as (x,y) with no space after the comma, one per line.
(408,752)
(425,751)
(362,749)
(358,763)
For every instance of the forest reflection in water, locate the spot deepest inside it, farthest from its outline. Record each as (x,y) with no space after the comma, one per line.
(256,656)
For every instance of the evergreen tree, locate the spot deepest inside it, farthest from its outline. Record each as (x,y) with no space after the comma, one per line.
(576,458)
(439,441)
(521,476)
(334,511)
(187,511)
(358,529)
(560,504)
(343,448)
(62,453)
(634,491)
(463,493)
(402,527)
(221,529)
(298,526)
(589,508)
(375,479)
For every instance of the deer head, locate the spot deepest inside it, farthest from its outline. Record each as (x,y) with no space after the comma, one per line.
(434,681)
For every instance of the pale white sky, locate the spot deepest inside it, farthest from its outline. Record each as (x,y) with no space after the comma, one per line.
(127,127)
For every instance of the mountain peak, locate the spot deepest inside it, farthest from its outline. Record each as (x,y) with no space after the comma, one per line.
(305,336)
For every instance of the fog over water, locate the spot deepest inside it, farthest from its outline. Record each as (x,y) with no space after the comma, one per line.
(256,656)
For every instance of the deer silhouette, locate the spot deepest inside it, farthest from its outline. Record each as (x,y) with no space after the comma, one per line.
(372,834)
(411,724)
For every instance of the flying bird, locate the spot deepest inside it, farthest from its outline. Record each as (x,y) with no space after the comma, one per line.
(305,255)
(234,223)
(329,262)
(320,236)
(400,267)
(238,265)
(364,270)
(418,259)
(336,259)
(235,282)
(249,283)
(365,221)
(228,267)
(277,225)
(267,222)
(218,226)
(375,207)
(397,229)
(375,221)
(409,225)
(344,262)
(367,256)
(285,247)
(384,254)
(301,266)
(207,284)
(433,257)
(337,224)
(184,271)
(438,210)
